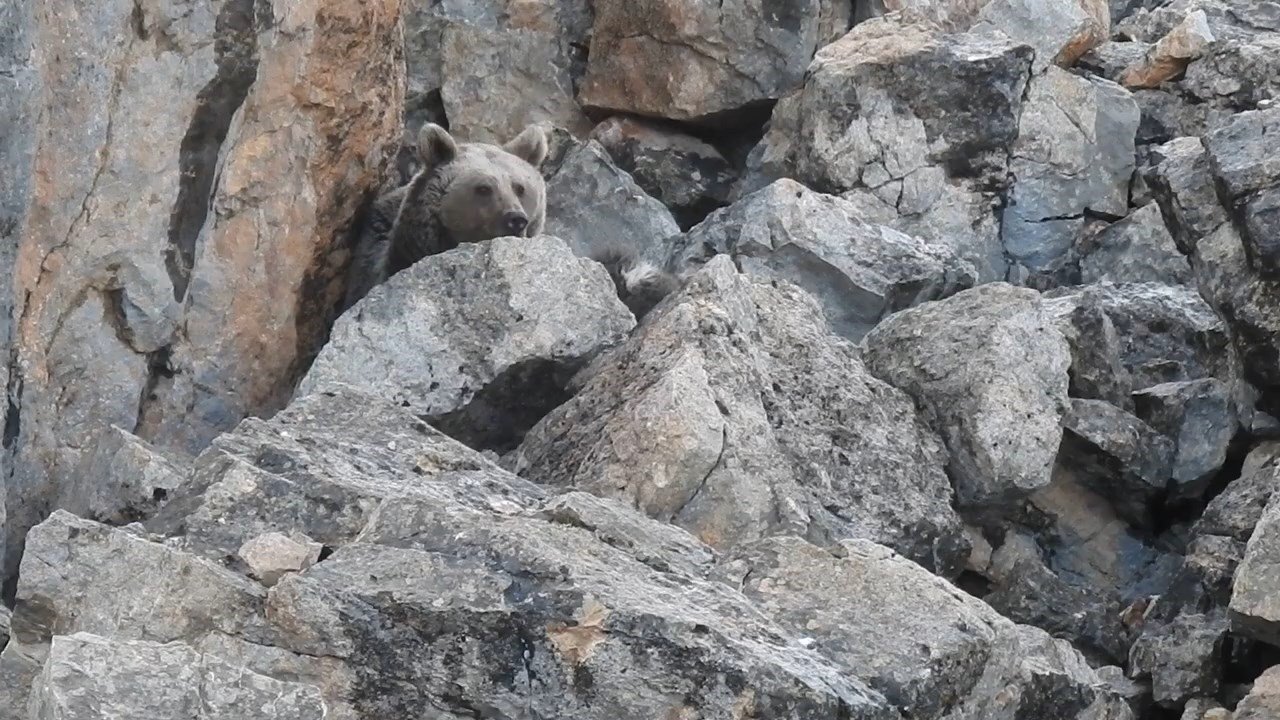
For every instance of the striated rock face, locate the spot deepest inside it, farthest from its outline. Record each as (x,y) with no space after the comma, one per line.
(178,237)
(735,414)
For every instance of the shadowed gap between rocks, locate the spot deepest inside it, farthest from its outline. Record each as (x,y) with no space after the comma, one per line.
(236,47)
(500,414)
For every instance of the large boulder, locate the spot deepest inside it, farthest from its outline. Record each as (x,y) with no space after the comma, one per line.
(858,271)
(1137,249)
(1248,179)
(592,204)
(480,340)
(963,659)
(1255,599)
(178,188)
(694,61)
(447,583)
(735,413)
(912,123)
(1074,154)
(988,369)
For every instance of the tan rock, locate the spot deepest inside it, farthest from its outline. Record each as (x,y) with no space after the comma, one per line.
(271,555)
(692,60)
(181,209)
(1171,55)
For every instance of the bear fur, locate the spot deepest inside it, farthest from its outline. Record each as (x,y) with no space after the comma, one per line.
(640,284)
(462,192)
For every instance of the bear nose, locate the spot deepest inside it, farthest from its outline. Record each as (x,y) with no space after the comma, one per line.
(515,221)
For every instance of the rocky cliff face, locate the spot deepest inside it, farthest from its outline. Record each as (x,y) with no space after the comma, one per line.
(966,406)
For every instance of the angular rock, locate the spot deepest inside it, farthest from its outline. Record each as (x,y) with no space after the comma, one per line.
(592,203)
(689,176)
(1074,154)
(1183,186)
(695,61)
(859,272)
(488,68)
(88,677)
(1112,58)
(158,594)
(271,555)
(497,82)
(1137,695)
(1170,56)
(915,124)
(177,252)
(1060,32)
(6,617)
(1263,700)
(1205,709)
(988,369)
(1235,511)
(122,479)
(735,413)
(479,340)
(1183,658)
(1118,455)
(1200,417)
(963,659)
(1255,597)
(1248,177)
(1156,333)
(1137,249)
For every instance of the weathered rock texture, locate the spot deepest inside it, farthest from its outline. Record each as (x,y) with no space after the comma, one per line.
(734,413)
(914,125)
(480,340)
(859,272)
(179,180)
(988,369)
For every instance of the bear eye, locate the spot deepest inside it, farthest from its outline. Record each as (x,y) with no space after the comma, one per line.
(484,190)
(519,189)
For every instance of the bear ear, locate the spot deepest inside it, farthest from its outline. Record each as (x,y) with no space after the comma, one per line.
(530,145)
(435,145)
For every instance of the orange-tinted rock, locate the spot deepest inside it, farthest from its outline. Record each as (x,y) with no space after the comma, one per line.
(185,178)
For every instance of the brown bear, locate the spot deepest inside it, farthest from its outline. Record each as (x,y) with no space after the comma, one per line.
(463,192)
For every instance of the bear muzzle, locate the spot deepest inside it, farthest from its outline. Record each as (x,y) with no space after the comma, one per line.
(515,222)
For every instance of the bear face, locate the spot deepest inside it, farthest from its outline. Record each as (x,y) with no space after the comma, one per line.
(486,191)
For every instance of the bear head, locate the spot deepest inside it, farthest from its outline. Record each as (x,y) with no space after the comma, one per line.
(486,191)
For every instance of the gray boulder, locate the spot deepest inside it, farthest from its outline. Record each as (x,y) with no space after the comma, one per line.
(479,340)
(1235,512)
(122,478)
(1074,154)
(688,175)
(1201,419)
(1248,177)
(448,584)
(736,414)
(591,203)
(1182,658)
(1118,455)
(988,369)
(962,660)
(1137,249)
(859,272)
(1255,597)
(87,677)
(913,124)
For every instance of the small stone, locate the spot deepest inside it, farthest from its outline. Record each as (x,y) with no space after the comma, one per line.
(271,555)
